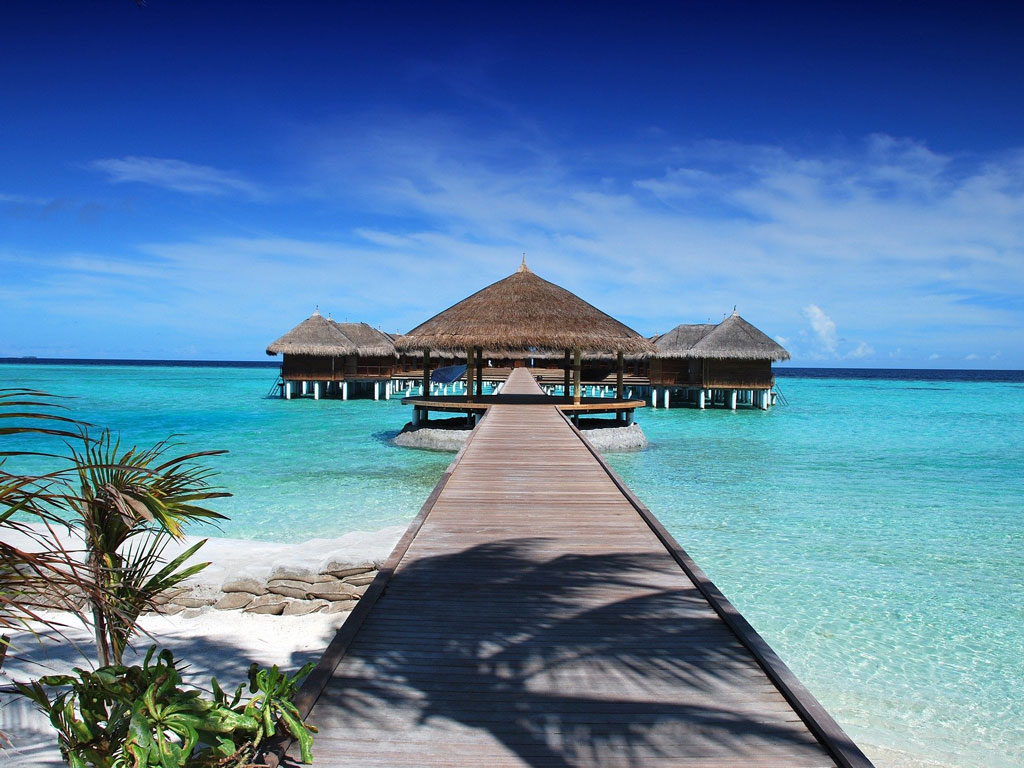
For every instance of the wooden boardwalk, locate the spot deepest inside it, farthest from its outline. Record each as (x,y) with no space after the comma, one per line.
(535,614)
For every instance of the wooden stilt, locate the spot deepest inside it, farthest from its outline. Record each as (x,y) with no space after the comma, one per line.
(287,390)
(618,378)
(426,373)
(316,390)
(470,371)
(577,375)
(565,388)
(732,399)
(479,371)
(700,399)
(344,390)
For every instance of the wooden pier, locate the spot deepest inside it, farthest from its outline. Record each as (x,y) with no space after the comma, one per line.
(536,614)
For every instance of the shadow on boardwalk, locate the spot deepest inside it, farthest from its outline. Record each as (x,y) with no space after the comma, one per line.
(497,645)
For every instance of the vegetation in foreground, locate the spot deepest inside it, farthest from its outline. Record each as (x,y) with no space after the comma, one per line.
(124,506)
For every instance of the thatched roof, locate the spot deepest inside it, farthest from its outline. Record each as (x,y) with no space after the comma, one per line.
(323,337)
(732,339)
(521,312)
(679,341)
(316,335)
(367,341)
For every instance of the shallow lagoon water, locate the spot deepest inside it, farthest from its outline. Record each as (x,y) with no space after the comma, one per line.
(872,530)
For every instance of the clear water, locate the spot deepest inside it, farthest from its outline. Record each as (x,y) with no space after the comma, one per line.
(872,530)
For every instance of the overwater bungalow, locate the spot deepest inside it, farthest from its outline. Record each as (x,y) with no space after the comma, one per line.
(727,364)
(520,316)
(324,358)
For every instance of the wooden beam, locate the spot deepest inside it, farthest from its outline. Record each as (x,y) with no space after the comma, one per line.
(576,375)
(565,388)
(479,371)
(618,378)
(470,370)
(426,373)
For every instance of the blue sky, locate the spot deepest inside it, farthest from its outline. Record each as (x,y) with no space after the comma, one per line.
(188,180)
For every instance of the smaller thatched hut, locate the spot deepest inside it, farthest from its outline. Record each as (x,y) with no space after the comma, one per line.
(324,357)
(732,360)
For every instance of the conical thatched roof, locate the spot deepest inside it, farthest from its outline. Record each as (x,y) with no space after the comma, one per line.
(732,339)
(316,335)
(367,341)
(520,312)
(679,341)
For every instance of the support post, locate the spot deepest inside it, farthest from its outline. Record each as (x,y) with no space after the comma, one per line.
(565,388)
(764,399)
(287,390)
(479,372)
(654,397)
(387,390)
(470,371)
(344,390)
(415,417)
(732,399)
(577,375)
(666,398)
(700,400)
(629,418)
(618,377)
(426,373)
(316,390)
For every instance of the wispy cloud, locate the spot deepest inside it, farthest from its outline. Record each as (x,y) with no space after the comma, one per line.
(824,328)
(176,175)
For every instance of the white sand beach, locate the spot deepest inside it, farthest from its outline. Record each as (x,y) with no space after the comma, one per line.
(221,643)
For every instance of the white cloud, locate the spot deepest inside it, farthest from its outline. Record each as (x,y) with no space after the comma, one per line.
(176,175)
(862,350)
(823,326)
(934,356)
(972,356)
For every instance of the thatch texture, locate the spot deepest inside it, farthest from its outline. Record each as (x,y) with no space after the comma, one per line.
(732,339)
(316,335)
(679,341)
(366,340)
(522,312)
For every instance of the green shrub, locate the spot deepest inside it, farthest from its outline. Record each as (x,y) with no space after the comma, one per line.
(141,716)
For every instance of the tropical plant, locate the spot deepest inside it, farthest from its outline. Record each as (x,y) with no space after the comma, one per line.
(129,504)
(142,716)
(45,567)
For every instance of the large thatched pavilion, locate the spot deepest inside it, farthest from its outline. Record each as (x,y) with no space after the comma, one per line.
(730,362)
(518,316)
(324,358)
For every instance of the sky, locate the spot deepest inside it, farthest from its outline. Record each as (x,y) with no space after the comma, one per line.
(189,180)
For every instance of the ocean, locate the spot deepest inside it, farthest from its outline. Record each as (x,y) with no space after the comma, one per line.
(872,529)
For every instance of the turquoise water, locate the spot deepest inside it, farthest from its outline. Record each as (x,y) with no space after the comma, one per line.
(872,530)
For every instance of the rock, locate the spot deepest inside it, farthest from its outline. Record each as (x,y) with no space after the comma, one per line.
(340,606)
(165,597)
(252,586)
(302,607)
(233,601)
(343,571)
(273,605)
(426,438)
(607,439)
(290,587)
(335,590)
(191,613)
(361,581)
(292,574)
(170,609)
(191,601)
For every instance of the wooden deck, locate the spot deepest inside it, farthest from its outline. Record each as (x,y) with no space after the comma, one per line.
(536,614)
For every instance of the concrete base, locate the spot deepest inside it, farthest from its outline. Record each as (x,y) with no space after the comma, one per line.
(605,439)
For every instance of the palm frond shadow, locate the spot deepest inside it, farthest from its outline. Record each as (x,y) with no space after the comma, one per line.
(642,673)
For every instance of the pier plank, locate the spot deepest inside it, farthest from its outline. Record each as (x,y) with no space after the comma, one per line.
(537,615)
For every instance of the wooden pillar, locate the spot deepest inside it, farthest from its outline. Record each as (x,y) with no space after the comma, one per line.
(577,375)
(565,388)
(618,379)
(426,373)
(470,370)
(479,371)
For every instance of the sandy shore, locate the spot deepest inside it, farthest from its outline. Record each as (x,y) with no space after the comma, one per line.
(211,642)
